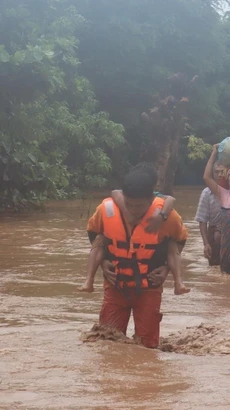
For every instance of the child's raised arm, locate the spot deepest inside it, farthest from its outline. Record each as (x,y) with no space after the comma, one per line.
(161,215)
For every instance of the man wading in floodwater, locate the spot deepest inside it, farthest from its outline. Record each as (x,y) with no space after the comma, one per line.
(132,255)
(209,217)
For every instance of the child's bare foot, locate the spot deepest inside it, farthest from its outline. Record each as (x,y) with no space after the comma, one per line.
(87,287)
(180,289)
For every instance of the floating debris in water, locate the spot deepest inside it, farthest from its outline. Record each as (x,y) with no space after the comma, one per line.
(198,340)
(102,332)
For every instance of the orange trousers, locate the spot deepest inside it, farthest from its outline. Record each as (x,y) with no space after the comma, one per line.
(117,307)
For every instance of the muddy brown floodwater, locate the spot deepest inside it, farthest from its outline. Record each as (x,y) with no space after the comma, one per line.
(43,363)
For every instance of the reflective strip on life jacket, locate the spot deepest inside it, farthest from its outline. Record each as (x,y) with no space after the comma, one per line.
(109,208)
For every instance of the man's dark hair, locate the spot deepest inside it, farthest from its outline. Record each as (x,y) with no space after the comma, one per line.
(146,168)
(138,184)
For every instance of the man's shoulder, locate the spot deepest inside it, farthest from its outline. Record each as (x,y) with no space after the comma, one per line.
(100,206)
(206,192)
(98,211)
(107,204)
(208,196)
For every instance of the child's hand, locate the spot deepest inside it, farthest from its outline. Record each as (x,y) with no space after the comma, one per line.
(87,287)
(154,223)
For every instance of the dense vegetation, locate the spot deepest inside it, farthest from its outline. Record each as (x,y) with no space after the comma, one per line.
(75,76)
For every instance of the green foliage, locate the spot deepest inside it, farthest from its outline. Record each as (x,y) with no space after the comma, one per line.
(53,142)
(198,150)
(58,57)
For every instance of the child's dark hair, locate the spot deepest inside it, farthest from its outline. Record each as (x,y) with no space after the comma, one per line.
(146,168)
(138,184)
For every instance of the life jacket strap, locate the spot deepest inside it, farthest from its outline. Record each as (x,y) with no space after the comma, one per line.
(126,245)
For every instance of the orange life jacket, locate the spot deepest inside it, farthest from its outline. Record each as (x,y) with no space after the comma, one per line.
(132,254)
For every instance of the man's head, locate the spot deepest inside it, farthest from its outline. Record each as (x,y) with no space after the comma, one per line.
(147,168)
(218,172)
(138,189)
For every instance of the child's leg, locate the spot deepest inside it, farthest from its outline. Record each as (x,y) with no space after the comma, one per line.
(96,257)
(174,264)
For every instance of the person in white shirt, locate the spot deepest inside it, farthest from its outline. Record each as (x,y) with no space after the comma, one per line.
(209,217)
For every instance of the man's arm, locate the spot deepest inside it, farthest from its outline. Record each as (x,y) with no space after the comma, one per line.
(204,235)
(204,232)
(208,178)
(203,217)
(95,259)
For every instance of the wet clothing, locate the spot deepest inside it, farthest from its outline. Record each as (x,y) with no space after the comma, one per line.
(116,310)
(145,305)
(214,237)
(224,197)
(225,241)
(173,228)
(133,254)
(209,209)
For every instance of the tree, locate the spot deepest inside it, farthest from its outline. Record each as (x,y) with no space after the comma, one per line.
(131,48)
(58,57)
(53,141)
(166,124)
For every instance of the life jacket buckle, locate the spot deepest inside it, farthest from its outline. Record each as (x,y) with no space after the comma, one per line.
(131,248)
